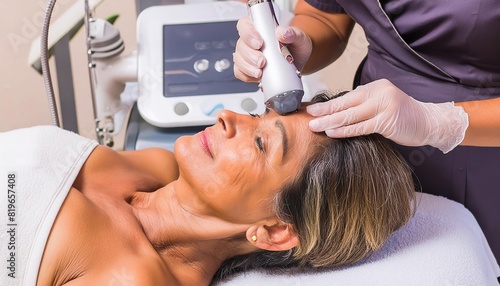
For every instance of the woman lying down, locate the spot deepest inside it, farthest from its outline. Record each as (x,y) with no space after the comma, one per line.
(250,191)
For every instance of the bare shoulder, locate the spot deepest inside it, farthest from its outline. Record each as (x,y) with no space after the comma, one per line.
(130,271)
(135,271)
(89,245)
(123,173)
(158,162)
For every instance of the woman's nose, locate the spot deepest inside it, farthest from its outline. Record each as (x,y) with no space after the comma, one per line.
(227,121)
(231,122)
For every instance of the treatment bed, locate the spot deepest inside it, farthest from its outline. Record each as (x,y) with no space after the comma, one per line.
(442,244)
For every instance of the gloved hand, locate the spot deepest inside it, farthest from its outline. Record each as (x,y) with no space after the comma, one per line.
(249,60)
(380,107)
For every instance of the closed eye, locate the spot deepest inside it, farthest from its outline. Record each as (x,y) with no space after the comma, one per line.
(259,143)
(258,140)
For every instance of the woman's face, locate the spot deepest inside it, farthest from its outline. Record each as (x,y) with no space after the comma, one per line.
(233,170)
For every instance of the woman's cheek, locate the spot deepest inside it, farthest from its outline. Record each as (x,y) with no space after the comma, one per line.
(239,157)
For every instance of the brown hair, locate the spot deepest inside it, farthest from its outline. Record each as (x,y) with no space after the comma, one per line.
(347,200)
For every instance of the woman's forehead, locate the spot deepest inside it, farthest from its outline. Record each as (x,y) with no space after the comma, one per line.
(293,115)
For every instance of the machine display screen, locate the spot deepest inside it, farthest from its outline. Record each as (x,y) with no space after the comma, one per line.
(198,60)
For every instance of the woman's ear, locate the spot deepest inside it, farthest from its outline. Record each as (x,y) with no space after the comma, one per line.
(273,235)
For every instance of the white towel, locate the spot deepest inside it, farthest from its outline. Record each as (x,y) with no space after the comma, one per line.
(441,245)
(37,168)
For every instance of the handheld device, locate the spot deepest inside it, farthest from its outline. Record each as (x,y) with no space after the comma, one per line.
(281,83)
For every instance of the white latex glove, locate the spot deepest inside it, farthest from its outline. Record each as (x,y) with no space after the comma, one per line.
(380,107)
(249,60)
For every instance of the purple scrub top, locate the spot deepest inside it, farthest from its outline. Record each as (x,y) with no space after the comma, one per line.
(439,51)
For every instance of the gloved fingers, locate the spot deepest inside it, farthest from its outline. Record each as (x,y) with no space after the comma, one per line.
(248,34)
(349,100)
(298,43)
(286,34)
(248,59)
(248,65)
(290,35)
(358,129)
(347,117)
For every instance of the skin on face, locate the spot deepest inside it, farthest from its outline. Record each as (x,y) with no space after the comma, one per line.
(235,168)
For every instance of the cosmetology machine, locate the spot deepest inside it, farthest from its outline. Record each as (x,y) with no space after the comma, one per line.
(181,74)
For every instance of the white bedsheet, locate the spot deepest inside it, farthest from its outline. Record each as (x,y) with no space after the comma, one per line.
(441,245)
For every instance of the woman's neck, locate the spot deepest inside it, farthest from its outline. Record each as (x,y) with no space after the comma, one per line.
(191,244)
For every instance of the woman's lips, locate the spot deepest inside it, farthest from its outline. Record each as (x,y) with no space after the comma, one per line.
(205,142)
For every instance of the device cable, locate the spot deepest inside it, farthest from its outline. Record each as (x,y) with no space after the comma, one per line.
(44,60)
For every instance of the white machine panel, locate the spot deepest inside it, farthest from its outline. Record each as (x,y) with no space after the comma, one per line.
(185,65)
